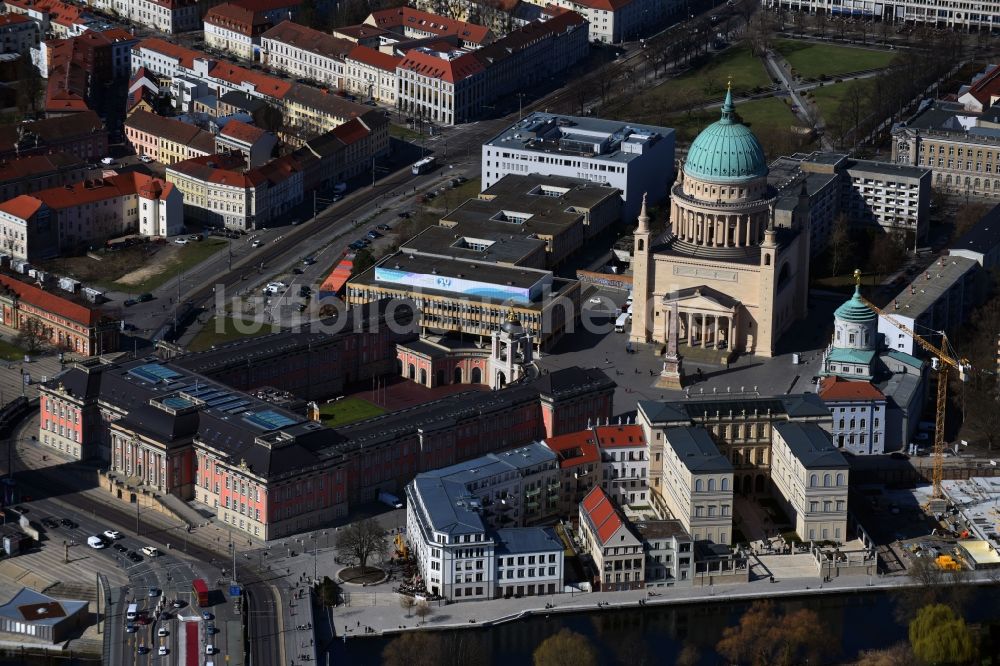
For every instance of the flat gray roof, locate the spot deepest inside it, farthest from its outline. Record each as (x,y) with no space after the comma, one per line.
(506,248)
(541,132)
(662,529)
(580,193)
(514,540)
(697,451)
(418,262)
(890,169)
(920,295)
(811,445)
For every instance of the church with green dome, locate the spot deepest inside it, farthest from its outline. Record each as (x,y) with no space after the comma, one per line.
(735,278)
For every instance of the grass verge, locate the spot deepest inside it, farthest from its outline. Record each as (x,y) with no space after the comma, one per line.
(10,352)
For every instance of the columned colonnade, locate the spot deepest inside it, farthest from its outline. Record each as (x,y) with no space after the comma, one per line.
(708,330)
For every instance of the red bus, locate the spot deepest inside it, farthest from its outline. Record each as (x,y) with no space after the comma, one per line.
(201,591)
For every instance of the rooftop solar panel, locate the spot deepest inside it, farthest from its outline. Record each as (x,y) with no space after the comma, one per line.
(154,373)
(269,419)
(239,406)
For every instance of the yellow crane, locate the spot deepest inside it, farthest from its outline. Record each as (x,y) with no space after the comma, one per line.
(942,362)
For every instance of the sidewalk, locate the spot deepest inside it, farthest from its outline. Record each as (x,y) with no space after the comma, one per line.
(387,617)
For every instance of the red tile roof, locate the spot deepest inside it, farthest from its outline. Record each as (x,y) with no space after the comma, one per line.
(987,86)
(415,19)
(11,19)
(309,39)
(271,86)
(837,388)
(430,65)
(575,448)
(23,206)
(603,515)
(20,168)
(352,131)
(119,35)
(373,58)
(267,5)
(221,169)
(241,131)
(613,436)
(236,18)
(50,302)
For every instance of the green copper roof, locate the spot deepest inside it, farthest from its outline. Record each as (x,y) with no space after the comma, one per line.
(840,355)
(854,310)
(726,151)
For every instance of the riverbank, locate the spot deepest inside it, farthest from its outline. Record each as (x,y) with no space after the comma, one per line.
(376,615)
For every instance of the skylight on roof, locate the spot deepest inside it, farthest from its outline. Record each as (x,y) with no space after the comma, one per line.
(269,419)
(154,373)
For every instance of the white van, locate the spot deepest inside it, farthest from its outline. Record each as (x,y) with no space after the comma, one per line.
(620,323)
(95,542)
(132,613)
(149,551)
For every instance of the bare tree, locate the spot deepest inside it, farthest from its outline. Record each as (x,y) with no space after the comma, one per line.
(423,610)
(822,21)
(32,336)
(840,244)
(407,603)
(799,22)
(362,541)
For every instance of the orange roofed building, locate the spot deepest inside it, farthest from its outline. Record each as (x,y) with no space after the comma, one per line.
(617,551)
(454,86)
(67,323)
(73,218)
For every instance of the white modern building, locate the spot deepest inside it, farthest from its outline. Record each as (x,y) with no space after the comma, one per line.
(614,21)
(698,484)
(938,299)
(464,526)
(982,15)
(624,463)
(811,478)
(669,552)
(637,159)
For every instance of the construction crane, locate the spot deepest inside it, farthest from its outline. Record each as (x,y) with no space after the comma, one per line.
(941,361)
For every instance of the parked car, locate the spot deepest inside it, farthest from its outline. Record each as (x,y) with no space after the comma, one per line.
(120,548)
(205,615)
(107,161)
(162,631)
(113,534)
(162,651)
(66,522)
(298,271)
(143,298)
(131,628)
(50,523)
(129,302)
(154,592)
(257,243)
(145,159)
(386,227)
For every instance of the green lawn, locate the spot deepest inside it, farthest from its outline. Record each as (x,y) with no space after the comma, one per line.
(10,351)
(698,86)
(810,61)
(348,410)
(829,97)
(223,329)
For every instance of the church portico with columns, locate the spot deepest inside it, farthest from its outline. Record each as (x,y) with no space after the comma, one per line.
(739,278)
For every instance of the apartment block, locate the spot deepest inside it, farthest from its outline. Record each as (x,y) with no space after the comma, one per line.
(303,52)
(669,550)
(939,299)
(18,34)
(698,484)
(615,21)
(626,156)
(618,553)
(811,478)
(62,220)
(418,24)
(166,140)
(452,86)
(235,29)
(82,135)
(24,175)
(371,74)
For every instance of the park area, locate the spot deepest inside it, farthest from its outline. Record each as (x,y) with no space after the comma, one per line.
(829,97)
(137,269)
(810,60)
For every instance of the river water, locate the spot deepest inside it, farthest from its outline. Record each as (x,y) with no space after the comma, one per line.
(856,622)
